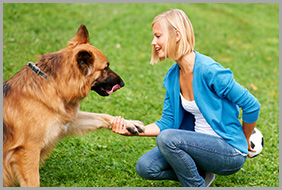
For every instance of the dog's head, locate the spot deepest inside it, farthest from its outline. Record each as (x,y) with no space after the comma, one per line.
(93,65)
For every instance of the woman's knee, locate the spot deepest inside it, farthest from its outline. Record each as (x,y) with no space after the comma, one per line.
(163,136)
(165,139)
(151,164)
(141,167)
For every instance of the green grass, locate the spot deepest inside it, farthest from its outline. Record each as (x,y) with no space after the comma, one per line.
(243,37)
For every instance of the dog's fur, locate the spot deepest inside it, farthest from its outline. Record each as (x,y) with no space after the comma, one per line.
(37,112)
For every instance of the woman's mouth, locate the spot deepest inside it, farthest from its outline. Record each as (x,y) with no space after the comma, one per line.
(158,49)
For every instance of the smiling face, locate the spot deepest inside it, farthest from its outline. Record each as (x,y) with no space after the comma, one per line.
(173,36)
(159,40)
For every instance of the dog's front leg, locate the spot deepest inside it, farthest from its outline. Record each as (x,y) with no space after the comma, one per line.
(87,121)
(26,165)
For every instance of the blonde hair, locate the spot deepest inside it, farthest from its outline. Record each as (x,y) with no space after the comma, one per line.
(171,21)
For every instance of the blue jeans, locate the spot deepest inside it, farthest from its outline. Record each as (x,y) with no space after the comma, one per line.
(183,156)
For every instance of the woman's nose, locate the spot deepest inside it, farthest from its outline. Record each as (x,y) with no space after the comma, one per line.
(153,42)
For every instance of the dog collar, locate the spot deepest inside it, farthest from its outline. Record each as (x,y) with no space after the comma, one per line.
(36,69)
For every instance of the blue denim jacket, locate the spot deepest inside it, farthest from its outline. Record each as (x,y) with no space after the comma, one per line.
(218,97)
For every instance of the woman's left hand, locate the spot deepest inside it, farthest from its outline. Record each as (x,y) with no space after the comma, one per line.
(248,129)
(250,148)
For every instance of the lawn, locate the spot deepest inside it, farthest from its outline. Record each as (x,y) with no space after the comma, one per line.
(242,37)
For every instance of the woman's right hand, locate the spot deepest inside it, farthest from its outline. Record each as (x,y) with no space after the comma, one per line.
(119,126)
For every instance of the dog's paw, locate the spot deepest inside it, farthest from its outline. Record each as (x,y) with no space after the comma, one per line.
(135,127)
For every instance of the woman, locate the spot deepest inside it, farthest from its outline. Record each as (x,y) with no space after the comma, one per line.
(199,134)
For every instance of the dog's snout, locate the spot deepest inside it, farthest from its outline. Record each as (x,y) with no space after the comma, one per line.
(121,83)
(117,78)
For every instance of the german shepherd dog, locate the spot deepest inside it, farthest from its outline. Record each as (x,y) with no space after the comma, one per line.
(41,106)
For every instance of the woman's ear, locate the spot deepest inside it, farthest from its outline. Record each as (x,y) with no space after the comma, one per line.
(178,35)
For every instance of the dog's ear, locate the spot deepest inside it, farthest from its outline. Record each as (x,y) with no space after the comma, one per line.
(85,61)
(81,36)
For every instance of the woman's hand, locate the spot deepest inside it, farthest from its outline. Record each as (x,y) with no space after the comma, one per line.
(119,126)
(248,129)
(250,148)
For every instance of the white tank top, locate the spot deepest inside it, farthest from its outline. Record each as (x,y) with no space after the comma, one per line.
(201,124)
